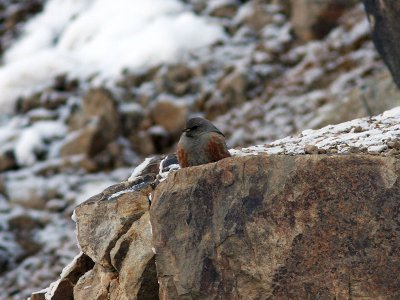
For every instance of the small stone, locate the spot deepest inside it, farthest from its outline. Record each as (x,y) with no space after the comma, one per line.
(354,150)
(392,152)
(358,129)
(226,9)
(394,145)
(311,149)
(377,149)
(38,295)
(7,161)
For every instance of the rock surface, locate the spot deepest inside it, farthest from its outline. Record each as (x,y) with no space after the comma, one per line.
(257,225)
(114,234)
(383,17)
(280,227)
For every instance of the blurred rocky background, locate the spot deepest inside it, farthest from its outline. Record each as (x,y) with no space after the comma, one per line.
(260,70)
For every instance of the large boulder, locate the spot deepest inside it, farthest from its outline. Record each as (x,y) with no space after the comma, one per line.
(383,16)
(280,227)
(94,127)
(114,234)
(257,225)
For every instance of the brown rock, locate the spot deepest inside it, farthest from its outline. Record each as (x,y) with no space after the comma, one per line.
(314,19)
(133,258)
(47,99)
(100,281)
(104,218)
(62,289)
(288,227)
(311,149)
(176,79)
(100,121)
(99,103)
(137,78)
(25,104)
(169,115)
(38,296)
(132,117)
(258,16)
(227,9)
(23,227)
(232,89)
(115,234)
(114,229)
(84,141)
(7,161)
(142,143)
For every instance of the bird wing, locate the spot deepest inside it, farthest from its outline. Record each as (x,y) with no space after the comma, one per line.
(182,157)
(216,147)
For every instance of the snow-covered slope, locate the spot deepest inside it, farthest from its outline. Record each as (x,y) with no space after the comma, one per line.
(379,135)
(99,38)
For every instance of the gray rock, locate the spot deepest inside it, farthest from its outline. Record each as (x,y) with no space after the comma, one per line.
(383,16)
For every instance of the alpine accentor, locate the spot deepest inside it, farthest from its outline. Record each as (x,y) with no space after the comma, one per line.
(201,143)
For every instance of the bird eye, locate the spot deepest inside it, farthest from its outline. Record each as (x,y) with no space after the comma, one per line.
(194,127)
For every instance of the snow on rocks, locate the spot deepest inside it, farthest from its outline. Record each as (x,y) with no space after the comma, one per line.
(31,140)
(167,165)
(138,33)
(139,169)
(374,135)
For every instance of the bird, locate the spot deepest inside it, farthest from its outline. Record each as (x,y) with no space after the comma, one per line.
(201,143)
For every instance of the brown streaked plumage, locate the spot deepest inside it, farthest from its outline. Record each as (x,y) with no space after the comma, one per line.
(201,143)
(182,157)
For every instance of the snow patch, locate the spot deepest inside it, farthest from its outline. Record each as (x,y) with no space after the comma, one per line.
(163,174)
(102,38)
(139,169)
(65,272)
(33,138)
(371,134)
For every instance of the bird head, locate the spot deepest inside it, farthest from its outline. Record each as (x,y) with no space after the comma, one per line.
(195,127)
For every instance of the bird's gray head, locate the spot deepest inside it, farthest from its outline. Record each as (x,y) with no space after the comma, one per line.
(198,126)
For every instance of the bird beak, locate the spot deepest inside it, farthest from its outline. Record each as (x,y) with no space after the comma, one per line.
(186,130)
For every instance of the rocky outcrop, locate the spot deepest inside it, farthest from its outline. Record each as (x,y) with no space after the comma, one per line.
(383,17)
(279,227)
(115,237)
(257,225)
